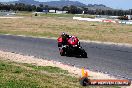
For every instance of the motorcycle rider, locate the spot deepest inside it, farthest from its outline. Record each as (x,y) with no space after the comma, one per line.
(65,37)
(70,45)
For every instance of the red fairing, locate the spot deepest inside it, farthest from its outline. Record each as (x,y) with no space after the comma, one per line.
(73,41)
(60,39)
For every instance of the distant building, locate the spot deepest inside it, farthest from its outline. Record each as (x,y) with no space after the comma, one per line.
(61,12)
(52,11)
(57,11)
(45,11)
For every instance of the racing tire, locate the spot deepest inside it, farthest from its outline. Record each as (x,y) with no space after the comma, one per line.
(62,52)
(83,53)
(59,44)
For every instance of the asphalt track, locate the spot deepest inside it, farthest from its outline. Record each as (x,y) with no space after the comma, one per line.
(110,59)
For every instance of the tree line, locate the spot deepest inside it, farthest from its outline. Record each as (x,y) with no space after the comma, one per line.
(70,9)
(108,12)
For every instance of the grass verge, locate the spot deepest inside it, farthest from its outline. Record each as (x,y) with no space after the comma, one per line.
(17,75)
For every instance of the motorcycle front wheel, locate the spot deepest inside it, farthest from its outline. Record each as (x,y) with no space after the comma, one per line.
(62,52)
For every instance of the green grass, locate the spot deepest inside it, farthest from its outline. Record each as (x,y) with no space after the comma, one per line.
(14,75)
(58,15)
(24,13)
(47,68)
(87,16)
(67,15)
(17,75)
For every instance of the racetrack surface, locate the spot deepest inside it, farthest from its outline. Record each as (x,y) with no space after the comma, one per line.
(111,59)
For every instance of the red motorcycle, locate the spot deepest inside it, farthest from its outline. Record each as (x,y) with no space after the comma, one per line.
(71,47)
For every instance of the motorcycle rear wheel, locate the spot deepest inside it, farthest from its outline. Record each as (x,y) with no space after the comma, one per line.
(62,52)
(83,53)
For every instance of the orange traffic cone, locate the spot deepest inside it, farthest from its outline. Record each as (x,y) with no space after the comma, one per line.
(84,73)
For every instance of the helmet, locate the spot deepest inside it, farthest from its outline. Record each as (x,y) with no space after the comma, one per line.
(64,36)
(63,33)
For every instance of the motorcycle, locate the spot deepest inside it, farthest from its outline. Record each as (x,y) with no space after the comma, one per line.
(71,48)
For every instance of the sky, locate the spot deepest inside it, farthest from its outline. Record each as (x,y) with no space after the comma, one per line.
(116,4)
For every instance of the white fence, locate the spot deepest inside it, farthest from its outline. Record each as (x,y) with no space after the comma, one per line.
(126,22)
(95,19)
